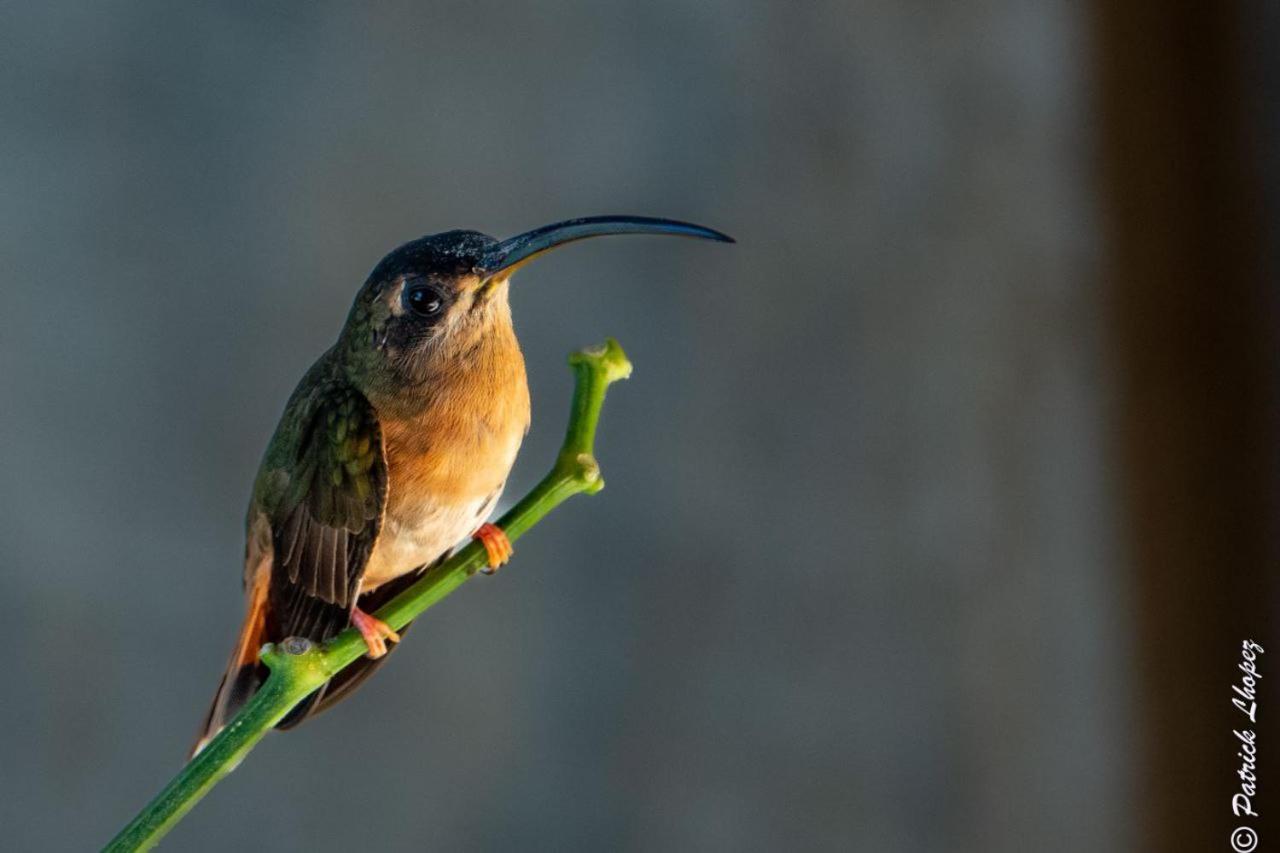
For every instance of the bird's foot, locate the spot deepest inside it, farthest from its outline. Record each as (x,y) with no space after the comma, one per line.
(496,545)
(375,632)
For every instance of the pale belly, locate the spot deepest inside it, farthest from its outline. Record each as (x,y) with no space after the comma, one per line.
(418,535)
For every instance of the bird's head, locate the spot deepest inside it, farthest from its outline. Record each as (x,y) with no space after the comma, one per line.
(440,297)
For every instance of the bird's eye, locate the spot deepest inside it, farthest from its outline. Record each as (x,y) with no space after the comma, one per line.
(424,301)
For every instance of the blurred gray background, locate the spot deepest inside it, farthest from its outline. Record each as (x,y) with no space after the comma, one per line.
(859,578)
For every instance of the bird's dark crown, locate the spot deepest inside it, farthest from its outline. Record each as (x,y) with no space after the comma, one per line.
(444,255)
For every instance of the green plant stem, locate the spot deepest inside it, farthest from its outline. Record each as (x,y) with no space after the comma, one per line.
(298,668)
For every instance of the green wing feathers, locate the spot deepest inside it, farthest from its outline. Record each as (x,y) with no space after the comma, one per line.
(332,512)
(324,497)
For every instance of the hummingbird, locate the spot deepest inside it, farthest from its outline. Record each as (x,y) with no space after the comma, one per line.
(392,450)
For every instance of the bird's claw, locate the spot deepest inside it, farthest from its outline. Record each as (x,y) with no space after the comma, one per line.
(376,633)
(496,545)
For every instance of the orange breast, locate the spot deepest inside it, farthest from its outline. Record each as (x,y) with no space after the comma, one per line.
(464,443)
(447,463)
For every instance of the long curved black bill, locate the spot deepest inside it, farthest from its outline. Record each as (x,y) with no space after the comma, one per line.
(509,254)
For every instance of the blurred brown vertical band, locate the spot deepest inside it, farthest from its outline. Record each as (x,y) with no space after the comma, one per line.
(1192,335)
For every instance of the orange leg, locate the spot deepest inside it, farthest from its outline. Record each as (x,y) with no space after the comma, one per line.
(496,544)
(375,632)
